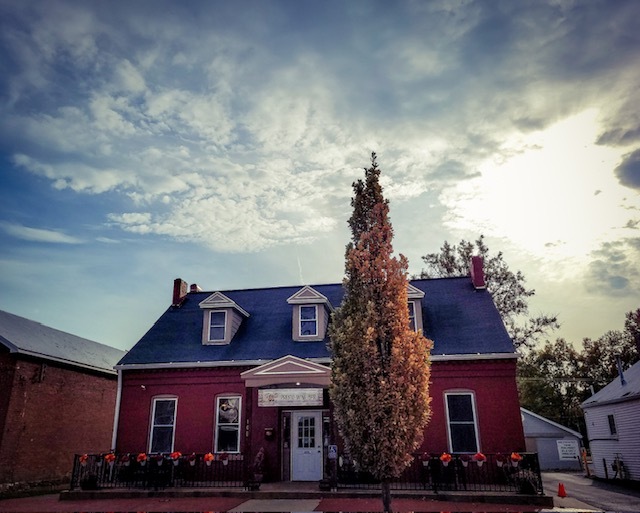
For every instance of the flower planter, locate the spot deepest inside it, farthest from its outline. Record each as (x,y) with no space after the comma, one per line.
(445,463)
(514,463)
(425,463)
(208,462)
(225,462)
(480,463)
(192,463)
(175,463)
(499,463)
(465,463)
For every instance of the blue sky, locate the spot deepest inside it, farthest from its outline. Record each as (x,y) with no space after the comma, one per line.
(217,142)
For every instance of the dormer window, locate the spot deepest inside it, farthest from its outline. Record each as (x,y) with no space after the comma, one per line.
(221,320)
(412,315)
(308,321)
(414,304)
(310,315)
(217,326)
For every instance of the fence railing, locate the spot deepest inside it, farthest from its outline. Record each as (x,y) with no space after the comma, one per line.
(494,473)
(100,471)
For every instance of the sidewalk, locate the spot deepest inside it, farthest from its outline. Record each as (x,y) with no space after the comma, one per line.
(278,497)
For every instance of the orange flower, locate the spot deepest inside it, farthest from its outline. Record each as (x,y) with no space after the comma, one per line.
(84,458)
(515,457)
(110,458)
(141,457)
(479,457)
(445,458)
(175,455)
(208,457)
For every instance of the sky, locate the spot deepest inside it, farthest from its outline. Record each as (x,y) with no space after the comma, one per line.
(218,141)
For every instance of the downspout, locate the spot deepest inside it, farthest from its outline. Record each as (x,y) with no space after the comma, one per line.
(116,416)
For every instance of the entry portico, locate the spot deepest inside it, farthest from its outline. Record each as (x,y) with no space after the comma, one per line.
(295,390)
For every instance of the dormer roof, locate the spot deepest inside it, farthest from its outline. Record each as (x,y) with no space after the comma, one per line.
(413,292)
(219,300)
(309,296)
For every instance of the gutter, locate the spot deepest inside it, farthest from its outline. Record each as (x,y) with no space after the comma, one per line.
(323,360)
(116,416)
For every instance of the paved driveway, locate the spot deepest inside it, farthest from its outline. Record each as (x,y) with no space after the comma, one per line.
(586,493)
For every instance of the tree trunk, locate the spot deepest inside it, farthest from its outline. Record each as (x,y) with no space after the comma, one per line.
(386,495)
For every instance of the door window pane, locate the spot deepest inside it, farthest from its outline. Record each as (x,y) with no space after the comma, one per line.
(306,432)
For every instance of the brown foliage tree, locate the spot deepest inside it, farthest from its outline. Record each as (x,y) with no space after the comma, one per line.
(380,367)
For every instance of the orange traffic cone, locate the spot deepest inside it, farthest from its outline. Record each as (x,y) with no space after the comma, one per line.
(561,490)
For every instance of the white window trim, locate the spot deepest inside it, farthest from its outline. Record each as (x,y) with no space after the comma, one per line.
(300,320)
(217,340)
(215,433)
(412,309)
(475,416)
(153,425)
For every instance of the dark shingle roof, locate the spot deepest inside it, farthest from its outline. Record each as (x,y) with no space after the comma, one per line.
(459,319)
(27,337)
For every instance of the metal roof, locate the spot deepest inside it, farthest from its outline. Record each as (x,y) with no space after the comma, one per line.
(27,337)
(458,318)
(616,391)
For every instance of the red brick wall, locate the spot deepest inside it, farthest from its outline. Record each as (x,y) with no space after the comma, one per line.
(52,412)
(493,383)
(196,390)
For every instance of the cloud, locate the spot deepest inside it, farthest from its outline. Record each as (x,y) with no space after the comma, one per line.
(38,234)
(628,172)
(613,270)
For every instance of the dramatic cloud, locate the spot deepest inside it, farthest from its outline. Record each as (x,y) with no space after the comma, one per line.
(629,171)
(239,128)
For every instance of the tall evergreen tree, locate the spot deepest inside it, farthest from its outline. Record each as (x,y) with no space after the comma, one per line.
(380,368)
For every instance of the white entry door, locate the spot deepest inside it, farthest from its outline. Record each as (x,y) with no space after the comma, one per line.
(306,450)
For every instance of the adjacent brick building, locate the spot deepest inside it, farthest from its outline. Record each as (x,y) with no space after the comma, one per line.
(57,397)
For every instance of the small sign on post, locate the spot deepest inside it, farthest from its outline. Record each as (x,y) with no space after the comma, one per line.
(333,452)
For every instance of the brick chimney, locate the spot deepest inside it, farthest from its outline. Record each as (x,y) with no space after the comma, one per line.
(180,288)
(477,273)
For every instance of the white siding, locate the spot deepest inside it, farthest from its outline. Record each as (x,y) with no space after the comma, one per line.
(626,443)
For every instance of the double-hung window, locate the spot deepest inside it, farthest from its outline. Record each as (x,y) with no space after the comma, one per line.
(412,315)
(308,321)
(228,424)
(612,425)
(163,423)
(461,422)
(217,326)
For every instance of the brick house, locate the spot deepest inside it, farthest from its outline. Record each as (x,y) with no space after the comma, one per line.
(235,371)
(57,396)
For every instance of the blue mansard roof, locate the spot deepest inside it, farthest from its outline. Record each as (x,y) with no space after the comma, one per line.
(458,318)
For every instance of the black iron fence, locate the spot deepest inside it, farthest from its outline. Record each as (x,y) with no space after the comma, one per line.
(102,471)
(515,473)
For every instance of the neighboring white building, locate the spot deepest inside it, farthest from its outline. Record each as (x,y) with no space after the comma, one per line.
(613,427)
(558,447)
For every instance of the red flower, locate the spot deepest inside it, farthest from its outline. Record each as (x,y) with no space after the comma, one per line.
(479,457)
(175,455)
(208,457)
(110,458)
(445,458)
(141,457)
(515,457)
(84,458)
